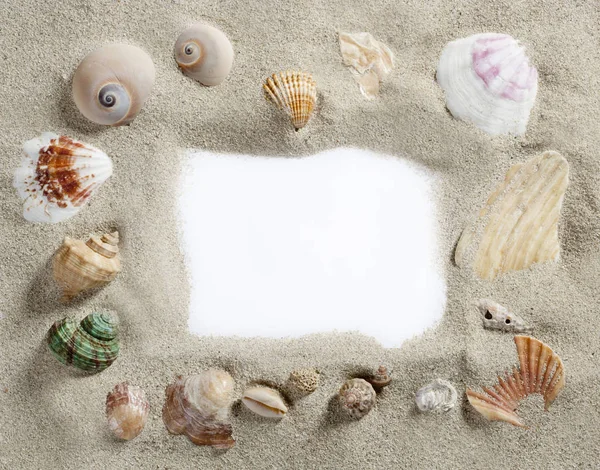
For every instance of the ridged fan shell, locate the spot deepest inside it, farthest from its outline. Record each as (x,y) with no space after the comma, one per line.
(540,371)
(487,80)
(518,226)
(92,345)
(293,92)
(79,266)
(127,410)
(198,407)
(57,177)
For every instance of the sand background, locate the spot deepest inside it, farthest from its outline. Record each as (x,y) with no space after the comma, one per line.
(53,417)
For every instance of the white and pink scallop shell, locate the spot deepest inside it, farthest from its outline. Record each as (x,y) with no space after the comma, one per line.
(488,81)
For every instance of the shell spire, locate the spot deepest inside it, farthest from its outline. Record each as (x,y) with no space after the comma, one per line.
(127,410)
(541,371)
(293,92)
(57,177)
(92,345)
(198,407)
(80,266)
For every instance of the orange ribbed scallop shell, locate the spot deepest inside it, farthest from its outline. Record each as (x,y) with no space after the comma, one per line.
(293,92)
(541,371)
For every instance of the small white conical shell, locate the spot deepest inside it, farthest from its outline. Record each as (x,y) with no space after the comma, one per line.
(497,317)
(204,53)
(488,81)
(112,83)
(57,177)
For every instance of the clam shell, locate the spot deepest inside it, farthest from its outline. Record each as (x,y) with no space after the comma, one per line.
(488,81)
(198,406)
(204,53)
(497,317)
(80,266)
(518,226)
(293,92)
(370,60)
(540,371)
(127,410)
(112,83)
(265,402)
(57,177)
(92,345)
(439,395)
(357,397)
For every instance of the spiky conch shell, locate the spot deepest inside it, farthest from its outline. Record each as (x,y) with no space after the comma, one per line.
(198,407)
(57,177)
(487,80)
(127,410)
(91,345)
(357,397)
(293,92)
(80,266)
(541,371)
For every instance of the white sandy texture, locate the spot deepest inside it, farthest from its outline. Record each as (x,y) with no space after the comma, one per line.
(340,241)
(51,416)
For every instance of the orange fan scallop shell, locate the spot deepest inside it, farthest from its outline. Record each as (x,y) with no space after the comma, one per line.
(293,92)
(541,371)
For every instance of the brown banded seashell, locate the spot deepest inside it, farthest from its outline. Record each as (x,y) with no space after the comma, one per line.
(357,397)
(112,83)
(540,371)
(127,410)
(265,402)
(518,226)
(57,177)
(439,395)
(302,382)
(497,317)
(204,53)
(293,92)
(80,265)
(380,379)
(198,406)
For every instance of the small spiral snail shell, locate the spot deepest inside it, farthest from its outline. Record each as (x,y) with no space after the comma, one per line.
(204,53)
(111,84)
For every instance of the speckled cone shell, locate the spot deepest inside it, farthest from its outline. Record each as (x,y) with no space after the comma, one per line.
(540,371)
(357,397)
(497,317)
(198,407)
(518,226)
(57,177)
(127,411)
(293,92)
(91,345)
(80,266)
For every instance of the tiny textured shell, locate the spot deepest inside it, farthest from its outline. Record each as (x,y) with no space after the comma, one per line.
(439,395)
(112,83)
(57,177)
(204,53)
(80,266)
(265,402)
(198,406)
(357,397)
(381,378)
(540,371)
(302,382)
(91,345)
(497,317)
(518,226)
(127,410)
(293,92)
